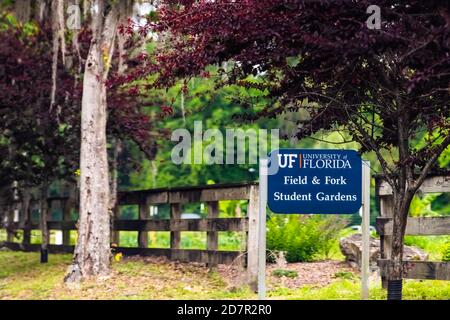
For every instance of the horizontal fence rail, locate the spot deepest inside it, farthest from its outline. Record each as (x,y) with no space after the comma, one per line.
(423,226)
(175,198)
(216,224)
(431,184)
(182,255)
(187,194)
(425,270)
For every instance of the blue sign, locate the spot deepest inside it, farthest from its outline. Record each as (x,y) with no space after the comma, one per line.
(314,181)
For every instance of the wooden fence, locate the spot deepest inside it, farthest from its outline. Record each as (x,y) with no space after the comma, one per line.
(425,226)
(175,197)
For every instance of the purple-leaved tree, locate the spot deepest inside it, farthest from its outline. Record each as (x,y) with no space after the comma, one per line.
(385,87)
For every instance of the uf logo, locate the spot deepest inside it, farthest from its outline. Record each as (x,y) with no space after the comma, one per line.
(287,160)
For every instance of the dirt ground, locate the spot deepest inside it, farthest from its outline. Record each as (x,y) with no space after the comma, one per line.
(317,274)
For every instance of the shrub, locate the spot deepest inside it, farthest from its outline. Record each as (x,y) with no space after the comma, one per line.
(344,275)
(285,273)
(302,238)
(330,228)
(433,245)
(446,253)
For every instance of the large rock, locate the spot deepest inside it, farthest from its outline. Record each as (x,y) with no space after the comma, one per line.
(2,248)
(351,249)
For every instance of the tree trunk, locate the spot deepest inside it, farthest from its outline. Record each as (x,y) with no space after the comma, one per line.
(45,235)
(92,253)
(10,222)
(25,219)
(402,201)
(23,10)
(41,10)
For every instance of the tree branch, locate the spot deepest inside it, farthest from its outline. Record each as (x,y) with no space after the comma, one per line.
(440,148)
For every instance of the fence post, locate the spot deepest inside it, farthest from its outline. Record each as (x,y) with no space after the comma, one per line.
(175,236)
(386,211)
(45,230)
(212,237)
(26,217)
(69,204)
(365,230)
(252,238)
(115,235)
(10,223)
(143,215)
(67,208)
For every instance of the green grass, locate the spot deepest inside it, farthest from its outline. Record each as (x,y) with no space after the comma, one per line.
(285,273)
(345,275)
(345,289)
(433,245)
(335,252)
(23,277)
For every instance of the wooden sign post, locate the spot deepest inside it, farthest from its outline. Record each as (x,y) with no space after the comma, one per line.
(314,182)
(365,230)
